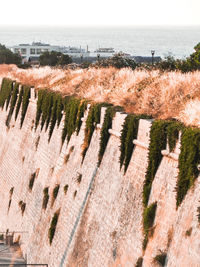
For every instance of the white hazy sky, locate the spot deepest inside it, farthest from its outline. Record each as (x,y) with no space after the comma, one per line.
(101,12)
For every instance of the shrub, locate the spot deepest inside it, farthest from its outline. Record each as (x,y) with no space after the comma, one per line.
(55,192)
(11,191)
(12,103)
(81,111)
(173,130)
(148,220)
(188,161)
(53,116)
(25,102)
(66,158)
(160,258)
(32,180)
(139,262)
(22,206)
(9,203)
(8,57)
(52,228)
(6,92)
(158,141)
(75,193)
(45,198)
(39,106)
(66,188)
(105,135)
(79,179)
(71,110)
(92,120)
(19,102)
(46,108)
(198,215)
(128,134)
(188,232)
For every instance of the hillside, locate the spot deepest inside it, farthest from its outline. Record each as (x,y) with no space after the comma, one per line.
(162,95)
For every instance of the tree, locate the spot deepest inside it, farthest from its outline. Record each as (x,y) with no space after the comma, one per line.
(8,57)
(64,60)
(118,61)
(54,58)
(168,63)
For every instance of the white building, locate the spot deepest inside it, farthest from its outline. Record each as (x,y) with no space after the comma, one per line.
(31,52)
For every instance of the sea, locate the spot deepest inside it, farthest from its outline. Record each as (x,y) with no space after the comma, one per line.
(176,41)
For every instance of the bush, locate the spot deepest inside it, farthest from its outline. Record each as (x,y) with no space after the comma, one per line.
(93,119)
(8,57)
(19,103)
(45,198)
(81,111)
(188,161)
(52,228)
(6,92)
(71,108)
(128,134)
(117,61)
(55,192)
(148,220)
(198,215)
(22,206)
(11,191)
(105,135)
(54,58)
(79,179)
(25,102)
(12,102)
(139,262)
(160,258)
(32,180)
(66,188)
(173,130)
(158,141)
(188,232)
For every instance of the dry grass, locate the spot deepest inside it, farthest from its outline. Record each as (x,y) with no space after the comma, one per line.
(163,95)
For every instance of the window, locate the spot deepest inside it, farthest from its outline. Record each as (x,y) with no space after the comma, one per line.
(32,51)
(38,51)
(23,51)
(16,50)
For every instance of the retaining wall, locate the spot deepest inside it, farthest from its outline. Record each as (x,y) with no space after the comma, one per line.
(100,222)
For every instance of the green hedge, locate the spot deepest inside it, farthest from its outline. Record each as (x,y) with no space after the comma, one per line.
(158,142)
(139,262)
(148,221)
(105,135)
(45,198)
(6,92)
(19,101)
(52,228)
(81,111)
(173,130)
(128,134)
(12,103)
(188,160)
(161,258)
(32,180)
(25,102)
(92,120)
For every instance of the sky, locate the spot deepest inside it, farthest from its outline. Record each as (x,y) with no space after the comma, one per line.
(101,12)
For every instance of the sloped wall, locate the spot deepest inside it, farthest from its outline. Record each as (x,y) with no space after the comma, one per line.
(100,222)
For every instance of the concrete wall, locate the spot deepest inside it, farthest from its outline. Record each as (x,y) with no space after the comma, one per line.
(102,224)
